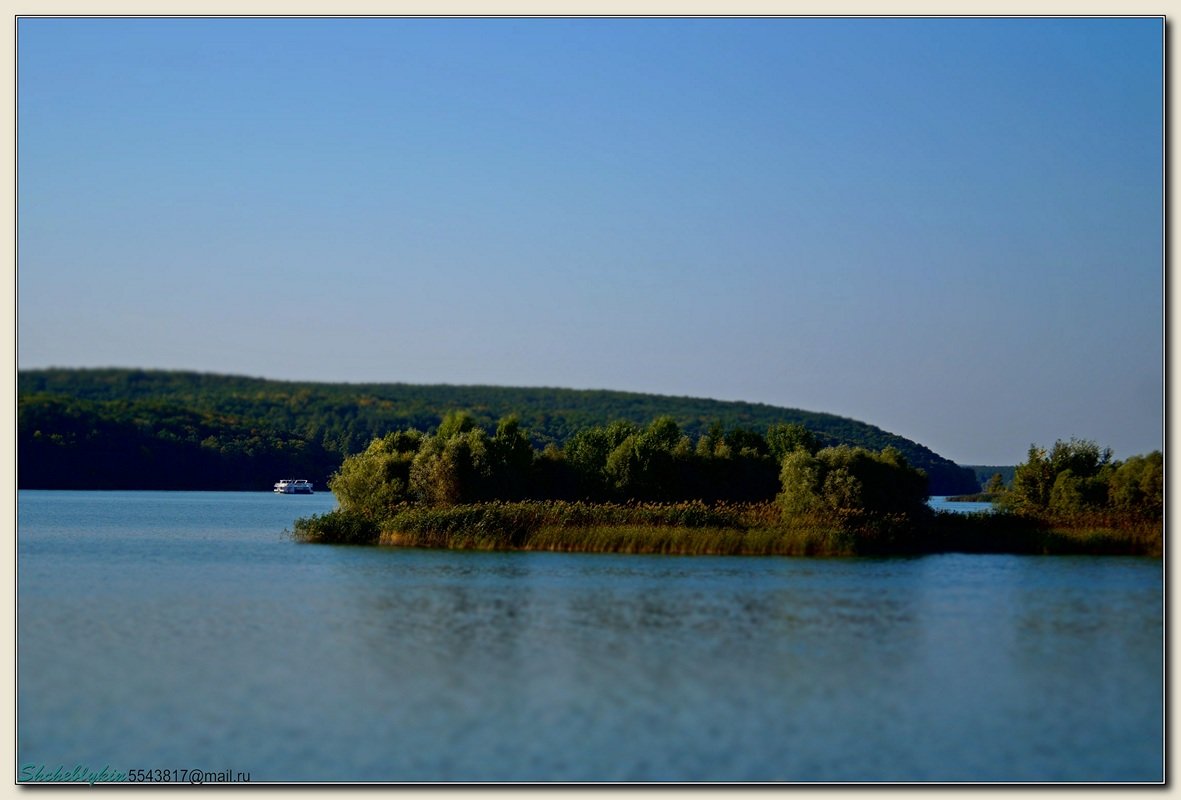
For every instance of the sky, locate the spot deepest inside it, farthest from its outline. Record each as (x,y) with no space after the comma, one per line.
(951,229)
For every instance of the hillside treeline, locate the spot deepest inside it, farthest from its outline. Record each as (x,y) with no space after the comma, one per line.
(166,429)
(67,443)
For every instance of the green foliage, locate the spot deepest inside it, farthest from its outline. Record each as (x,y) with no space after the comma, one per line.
(588,451)
(995,485)
(511,458)
(735,529)
(1032,482)
(247,419)
(984,474)
(1137,486)
(1008,532)
(372,483)
(746,442)
(642,466)
(801,476)
(1067,496)
(450,469)
(67,443)
(1082,457)
(336,527)
(784,439)
(1075,479)
(851,480)
(621,462)
(836,501)
(590,527)
(454,423)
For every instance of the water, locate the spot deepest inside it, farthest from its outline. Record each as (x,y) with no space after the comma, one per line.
(941,503)
(174,630)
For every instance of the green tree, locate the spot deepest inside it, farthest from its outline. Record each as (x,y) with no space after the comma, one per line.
(455,423)
(995,485)
(1069,478)
(846,479)
(745,442)
(339,420)
(1032,481)
(712,443)
(1136,487)
(588,451)
(1081,456)
(782,440)
(1067,495)
(800,476)
(510,456)
(371,483)
(643,466)
(452,466)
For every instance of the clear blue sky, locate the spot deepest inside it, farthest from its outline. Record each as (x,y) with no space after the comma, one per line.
(951,229)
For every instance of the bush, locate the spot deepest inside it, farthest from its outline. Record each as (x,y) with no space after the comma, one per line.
(847,480)
(336,527)
(373,482)
(1076,479)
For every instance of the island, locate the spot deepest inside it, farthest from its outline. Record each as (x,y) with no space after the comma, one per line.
(622,487)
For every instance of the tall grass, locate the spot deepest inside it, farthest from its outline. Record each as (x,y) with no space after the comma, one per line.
(1001,532)
(689,527)
(696,528)
(336,527)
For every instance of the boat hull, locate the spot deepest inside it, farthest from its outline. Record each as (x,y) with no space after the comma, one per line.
(293,487)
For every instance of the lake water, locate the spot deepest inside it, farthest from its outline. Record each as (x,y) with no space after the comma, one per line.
(181,630)
(941,503)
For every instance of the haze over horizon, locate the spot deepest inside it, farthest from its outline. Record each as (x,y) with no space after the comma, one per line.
(951,229)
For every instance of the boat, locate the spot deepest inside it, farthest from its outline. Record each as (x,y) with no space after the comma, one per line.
(293,486)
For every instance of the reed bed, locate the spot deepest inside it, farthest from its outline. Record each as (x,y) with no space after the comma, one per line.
(697,528)
(691,527)
(999,532)
(335,527)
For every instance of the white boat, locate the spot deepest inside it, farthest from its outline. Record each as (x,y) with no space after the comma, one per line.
(292,486)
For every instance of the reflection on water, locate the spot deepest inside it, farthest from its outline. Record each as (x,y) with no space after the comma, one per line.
(179,629)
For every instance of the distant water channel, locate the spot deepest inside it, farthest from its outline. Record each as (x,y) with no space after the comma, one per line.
(180,630)
(941,503)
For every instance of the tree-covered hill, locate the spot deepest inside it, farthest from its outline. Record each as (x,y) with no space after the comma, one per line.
(153,429)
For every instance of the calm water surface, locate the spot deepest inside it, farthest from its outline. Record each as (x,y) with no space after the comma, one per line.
(941,503)
(182,630)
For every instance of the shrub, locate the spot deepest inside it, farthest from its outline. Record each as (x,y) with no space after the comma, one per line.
(336,527)
(371,483)
(851,480)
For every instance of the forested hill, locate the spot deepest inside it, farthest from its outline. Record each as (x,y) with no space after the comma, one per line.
(147,429)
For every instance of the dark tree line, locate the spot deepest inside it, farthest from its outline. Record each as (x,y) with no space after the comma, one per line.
(71,444)
(337,420)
